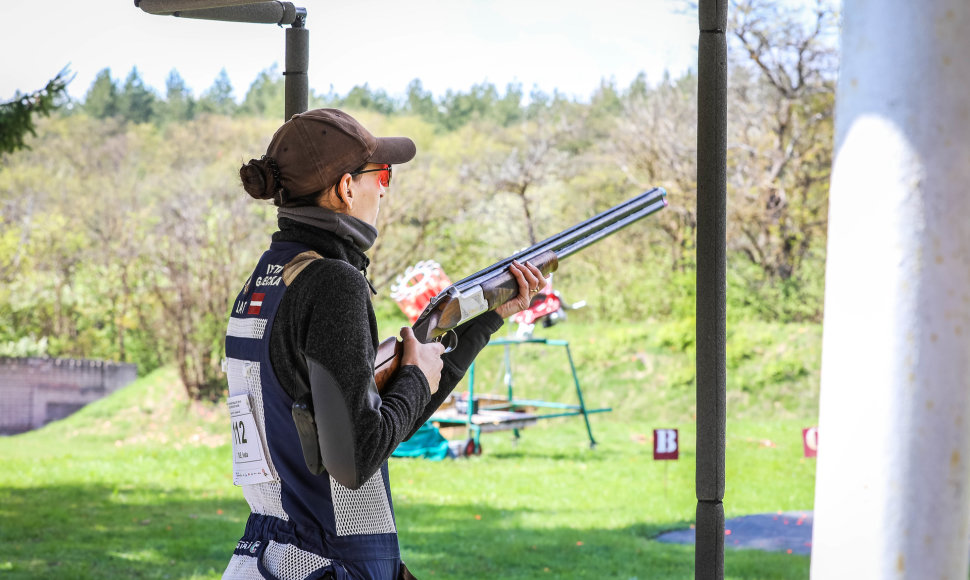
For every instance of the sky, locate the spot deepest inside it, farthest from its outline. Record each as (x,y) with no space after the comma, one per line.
(565,45)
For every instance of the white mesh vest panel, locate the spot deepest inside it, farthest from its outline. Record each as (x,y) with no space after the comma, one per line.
(362,511)
(243,376)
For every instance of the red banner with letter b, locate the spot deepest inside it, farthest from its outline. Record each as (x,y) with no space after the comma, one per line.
(666,444)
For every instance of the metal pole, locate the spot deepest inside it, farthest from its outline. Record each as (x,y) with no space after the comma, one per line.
(297,86)
(892,496)
(711,322)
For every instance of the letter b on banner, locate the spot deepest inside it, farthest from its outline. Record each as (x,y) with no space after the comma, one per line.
(666,444)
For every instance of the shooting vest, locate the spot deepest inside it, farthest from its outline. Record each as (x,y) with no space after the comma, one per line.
(300,523)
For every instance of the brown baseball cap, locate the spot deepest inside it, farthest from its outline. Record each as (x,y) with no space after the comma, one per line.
(313,150)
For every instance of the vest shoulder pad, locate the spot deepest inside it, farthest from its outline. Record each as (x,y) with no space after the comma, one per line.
(298,264)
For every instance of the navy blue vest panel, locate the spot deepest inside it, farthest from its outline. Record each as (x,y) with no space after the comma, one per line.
(297,518)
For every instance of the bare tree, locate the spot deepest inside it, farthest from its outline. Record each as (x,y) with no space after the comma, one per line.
(655,144)
(525,158)
(781,101)
(415,218)
(206,235)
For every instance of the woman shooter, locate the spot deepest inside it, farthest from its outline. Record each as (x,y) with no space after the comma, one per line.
(311,432)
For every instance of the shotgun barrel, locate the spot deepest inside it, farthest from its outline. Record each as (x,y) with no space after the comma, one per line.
(489,288)
(579,236)
(493,286)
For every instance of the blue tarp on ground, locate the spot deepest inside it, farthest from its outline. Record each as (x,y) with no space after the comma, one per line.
(789,532)
(428,442)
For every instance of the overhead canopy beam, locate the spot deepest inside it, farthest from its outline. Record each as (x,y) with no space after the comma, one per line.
(169,6)
(281,13)
(296,86)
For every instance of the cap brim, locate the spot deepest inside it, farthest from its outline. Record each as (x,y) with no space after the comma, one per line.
(393,150)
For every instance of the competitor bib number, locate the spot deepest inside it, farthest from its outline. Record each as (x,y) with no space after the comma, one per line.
(249,464)
(239,432)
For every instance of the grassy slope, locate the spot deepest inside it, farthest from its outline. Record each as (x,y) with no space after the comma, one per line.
(137,485)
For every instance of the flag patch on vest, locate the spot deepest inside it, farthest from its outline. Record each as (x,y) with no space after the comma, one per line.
(256,303)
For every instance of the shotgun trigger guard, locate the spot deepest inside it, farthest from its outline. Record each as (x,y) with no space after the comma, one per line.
(449,339)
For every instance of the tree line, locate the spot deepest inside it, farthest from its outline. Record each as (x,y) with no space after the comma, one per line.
(133,101)
(125,235)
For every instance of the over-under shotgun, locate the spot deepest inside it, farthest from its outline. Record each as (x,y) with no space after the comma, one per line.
(490,288)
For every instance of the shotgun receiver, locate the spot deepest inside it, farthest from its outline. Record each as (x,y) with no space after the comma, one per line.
(490,288)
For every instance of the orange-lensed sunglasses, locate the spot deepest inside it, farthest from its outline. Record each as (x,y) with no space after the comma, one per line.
(384,176)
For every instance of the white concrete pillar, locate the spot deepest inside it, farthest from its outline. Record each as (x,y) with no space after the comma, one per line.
(892,493)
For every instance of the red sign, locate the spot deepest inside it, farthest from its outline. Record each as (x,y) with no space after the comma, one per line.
(810,441)
(665,444)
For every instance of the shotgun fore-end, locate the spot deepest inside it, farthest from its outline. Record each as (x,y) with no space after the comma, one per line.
(503,286)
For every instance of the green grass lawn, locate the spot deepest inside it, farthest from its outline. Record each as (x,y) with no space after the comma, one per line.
(137,485)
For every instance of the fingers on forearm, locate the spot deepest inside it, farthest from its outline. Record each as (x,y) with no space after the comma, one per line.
(540,279)
(531,277)
(518,272)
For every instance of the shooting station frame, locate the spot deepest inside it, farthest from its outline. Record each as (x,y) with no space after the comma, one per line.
(711,326)
(297,58)
(487,413)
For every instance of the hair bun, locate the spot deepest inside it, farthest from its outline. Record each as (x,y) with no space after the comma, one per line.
(258,179)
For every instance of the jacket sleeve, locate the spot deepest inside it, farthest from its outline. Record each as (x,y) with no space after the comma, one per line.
(357,427)
(472,338)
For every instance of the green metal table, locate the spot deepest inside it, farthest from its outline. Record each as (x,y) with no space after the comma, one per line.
(503,415)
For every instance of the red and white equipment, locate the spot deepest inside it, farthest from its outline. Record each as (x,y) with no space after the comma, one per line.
(415,288)
(546,306)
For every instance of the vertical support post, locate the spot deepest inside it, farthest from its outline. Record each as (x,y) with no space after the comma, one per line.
(892,495)
(508,371)
(296,85)
(471,400)
(711,325)
(579,395)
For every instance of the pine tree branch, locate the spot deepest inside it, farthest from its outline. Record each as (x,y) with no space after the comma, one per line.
(17,116)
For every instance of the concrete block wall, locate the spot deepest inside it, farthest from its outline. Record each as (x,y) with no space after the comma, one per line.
(36,391)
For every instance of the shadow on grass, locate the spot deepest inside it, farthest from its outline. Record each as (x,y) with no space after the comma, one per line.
(102,532)
(105,532)
(477,541)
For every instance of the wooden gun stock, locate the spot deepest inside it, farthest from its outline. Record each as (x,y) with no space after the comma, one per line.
(388,360)
(490,288)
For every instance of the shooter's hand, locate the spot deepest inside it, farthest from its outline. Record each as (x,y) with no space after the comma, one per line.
(426,357)
(531,282)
